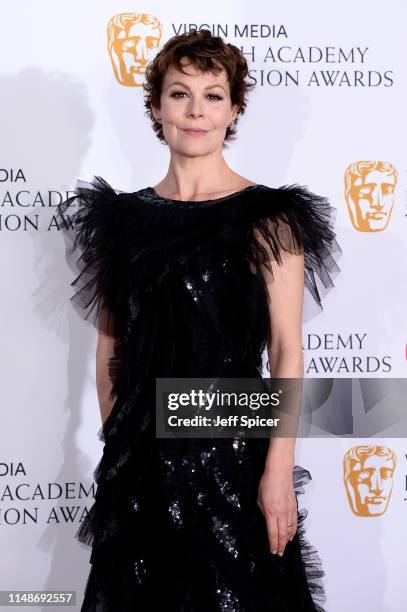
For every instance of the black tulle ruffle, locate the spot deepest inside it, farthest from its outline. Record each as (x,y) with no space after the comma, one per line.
(93,222)
(293,219)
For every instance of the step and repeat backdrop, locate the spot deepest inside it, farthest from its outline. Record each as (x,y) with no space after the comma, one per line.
(328,111)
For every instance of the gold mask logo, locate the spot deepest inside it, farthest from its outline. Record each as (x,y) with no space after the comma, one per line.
(368,478)
(369,193)
(132,41)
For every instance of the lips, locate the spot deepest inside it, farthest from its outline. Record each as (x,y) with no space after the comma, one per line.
(376,215)
(194,131)
(375,500)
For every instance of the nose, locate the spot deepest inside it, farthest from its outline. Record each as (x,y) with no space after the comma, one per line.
(377,199)
(141,51)
(195,108)
(376,484)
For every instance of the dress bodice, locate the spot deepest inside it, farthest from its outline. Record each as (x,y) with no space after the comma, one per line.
(185,279)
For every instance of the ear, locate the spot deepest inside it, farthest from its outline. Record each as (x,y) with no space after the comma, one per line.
(156,113)
(235,108)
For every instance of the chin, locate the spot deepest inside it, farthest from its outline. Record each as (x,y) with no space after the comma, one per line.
(193,148)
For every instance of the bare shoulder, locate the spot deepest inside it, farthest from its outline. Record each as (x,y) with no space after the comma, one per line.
(244,182)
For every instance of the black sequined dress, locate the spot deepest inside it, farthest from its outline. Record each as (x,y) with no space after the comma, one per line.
(175,525)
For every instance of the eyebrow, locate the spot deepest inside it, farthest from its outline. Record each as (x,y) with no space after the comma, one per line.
(186,86)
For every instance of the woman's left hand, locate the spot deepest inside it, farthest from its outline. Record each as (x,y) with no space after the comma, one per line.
(277,501)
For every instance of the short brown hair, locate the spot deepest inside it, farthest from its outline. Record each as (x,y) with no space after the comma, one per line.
(209,54)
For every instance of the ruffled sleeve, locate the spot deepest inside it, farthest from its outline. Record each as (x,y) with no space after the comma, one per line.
(296,220)
(93,223)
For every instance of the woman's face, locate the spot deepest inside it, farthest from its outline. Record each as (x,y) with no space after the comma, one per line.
(195,101)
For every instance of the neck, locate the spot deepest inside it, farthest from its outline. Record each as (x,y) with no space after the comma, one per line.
(189,177)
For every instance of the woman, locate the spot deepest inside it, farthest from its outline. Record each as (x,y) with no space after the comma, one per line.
(195,277)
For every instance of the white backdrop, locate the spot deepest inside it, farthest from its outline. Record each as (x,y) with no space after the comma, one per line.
(64,116)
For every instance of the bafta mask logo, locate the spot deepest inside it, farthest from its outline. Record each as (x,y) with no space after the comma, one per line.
(368,478)
(133,39)
(369,193)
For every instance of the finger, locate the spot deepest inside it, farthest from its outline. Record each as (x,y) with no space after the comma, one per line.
(293,516)
(272,531)
(282,522)
(291,531)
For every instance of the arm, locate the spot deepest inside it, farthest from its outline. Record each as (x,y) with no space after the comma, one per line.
(98,231)
(285,291)
(285,300)
(104,351)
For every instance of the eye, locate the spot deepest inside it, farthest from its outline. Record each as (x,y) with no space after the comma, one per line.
(181,94)
(387,473)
